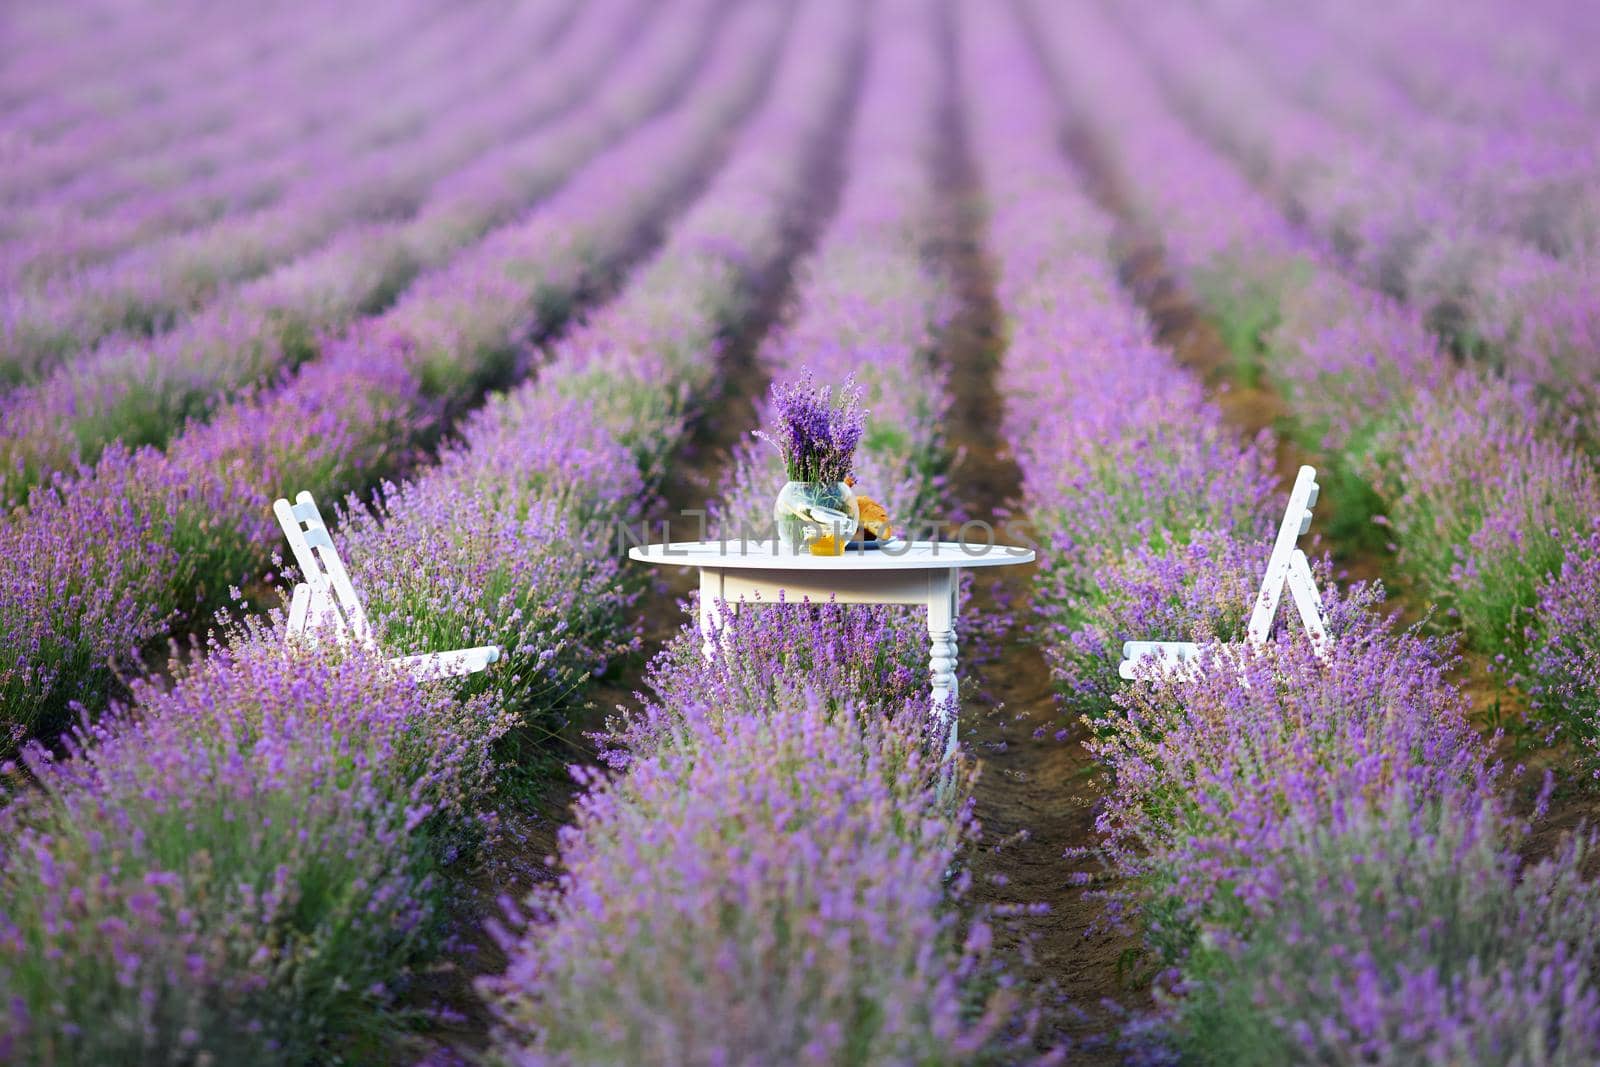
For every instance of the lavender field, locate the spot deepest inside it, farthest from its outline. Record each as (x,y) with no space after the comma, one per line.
(511,285)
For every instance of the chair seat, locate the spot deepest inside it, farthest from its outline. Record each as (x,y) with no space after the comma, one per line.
(431,665)
(1287,568)
(326,602)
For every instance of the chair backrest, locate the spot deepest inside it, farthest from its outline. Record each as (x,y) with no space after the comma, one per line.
(1296,522)
(324,572)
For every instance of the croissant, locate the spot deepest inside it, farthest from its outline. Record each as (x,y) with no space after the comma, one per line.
(874,520)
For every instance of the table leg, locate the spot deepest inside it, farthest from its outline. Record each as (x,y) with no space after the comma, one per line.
(942,587)
(711,609)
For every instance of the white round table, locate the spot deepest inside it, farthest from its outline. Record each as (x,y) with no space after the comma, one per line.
(903,572)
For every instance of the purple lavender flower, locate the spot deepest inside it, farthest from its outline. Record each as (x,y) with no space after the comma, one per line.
(1402,928)
(1564,668)
(815,433)
(1206,770)
(233,864)
(768,887)
(1485,507)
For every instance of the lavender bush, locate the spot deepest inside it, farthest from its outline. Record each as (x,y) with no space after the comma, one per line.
(660,849)
(1199,591)
(200,105)
(340,111)
(508,542)
(157,285)
(1151,513)
(509,572)
(1400,929)
(70,619)
(1564,670)
(511,537)
(238,868)
(134,198)
(1485,292)
(842,654)
(1315,844)
(769,890)
(1373,390)
(84,147)
(1206,771)
(142,390)
(1501,135)
(1485,508)
(868,306)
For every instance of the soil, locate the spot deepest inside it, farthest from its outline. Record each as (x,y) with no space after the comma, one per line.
(1037,792)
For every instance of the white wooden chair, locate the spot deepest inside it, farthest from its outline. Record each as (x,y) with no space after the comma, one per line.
(1287,566)
(326,602)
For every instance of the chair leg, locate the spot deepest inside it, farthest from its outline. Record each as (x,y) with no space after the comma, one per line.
(299,608)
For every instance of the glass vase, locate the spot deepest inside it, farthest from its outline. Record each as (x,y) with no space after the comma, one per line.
(806,511)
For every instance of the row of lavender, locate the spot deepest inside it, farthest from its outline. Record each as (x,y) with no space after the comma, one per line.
(59,72)
(391,211)
(1535,63)
(871,310)
(190,130)
(163,536)
(241,866)
(1313,848)
(1486,292)
(141,390)
(73,92)
(1479,105)
(761,877)
(1487,488)
(322,120)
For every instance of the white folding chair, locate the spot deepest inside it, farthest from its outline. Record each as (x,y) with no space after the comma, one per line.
(326,602)
(1287,566)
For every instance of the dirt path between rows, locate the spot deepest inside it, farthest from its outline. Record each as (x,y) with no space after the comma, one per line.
(1036,794)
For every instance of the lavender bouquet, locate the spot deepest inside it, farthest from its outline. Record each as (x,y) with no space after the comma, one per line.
(816,433)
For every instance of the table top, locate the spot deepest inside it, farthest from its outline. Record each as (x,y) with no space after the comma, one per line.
(769,556)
